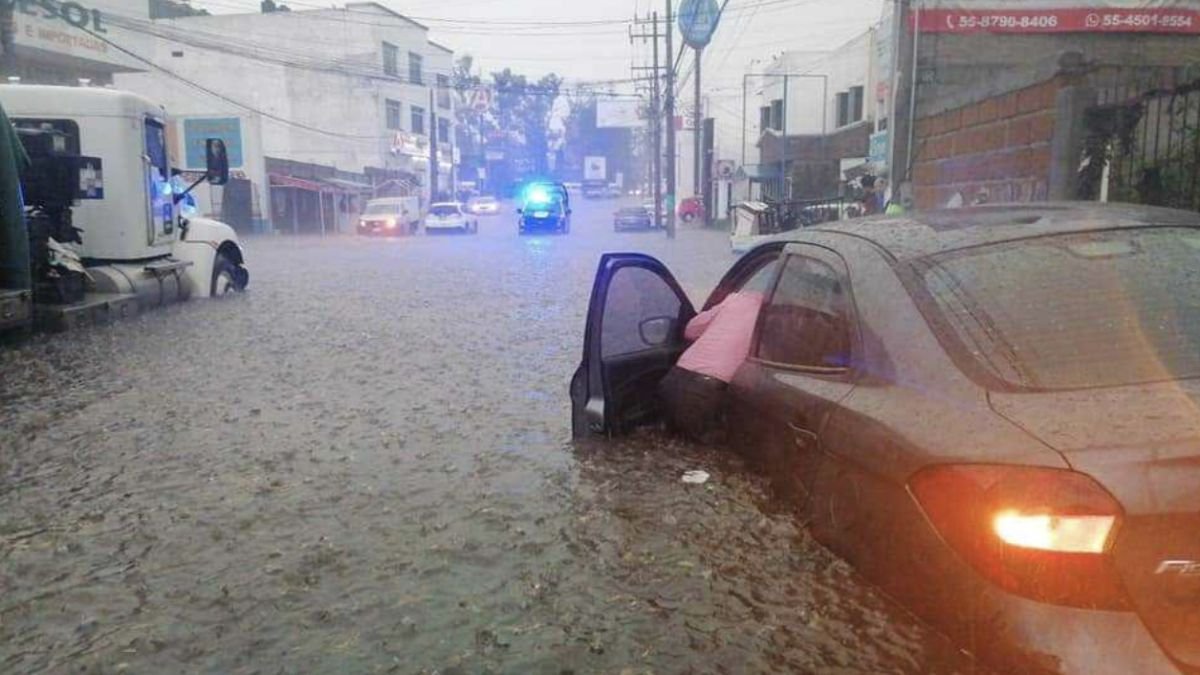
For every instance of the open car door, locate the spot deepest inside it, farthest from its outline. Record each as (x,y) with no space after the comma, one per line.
(634,336)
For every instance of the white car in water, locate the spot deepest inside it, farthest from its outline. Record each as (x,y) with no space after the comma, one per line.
(450,217)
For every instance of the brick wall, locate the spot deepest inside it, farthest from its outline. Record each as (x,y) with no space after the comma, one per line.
(999,146)
(814,162)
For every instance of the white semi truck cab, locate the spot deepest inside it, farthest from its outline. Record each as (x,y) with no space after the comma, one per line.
(137,249)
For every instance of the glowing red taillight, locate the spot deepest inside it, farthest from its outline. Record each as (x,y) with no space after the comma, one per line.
(1044,534)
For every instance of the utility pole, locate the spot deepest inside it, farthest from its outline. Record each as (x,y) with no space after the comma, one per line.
(433,150)
(669,90)
(655,119)
(697,131)
(900,120)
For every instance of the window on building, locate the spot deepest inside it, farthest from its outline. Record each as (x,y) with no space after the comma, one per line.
(843,108)
(806,324)
(416,68)
(764,118)
(856,104)
(777,114)
(391,59)
(443,91)
(443,130)
(393,115)
(418,119)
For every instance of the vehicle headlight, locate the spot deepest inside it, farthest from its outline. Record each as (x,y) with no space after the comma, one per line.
(390,222)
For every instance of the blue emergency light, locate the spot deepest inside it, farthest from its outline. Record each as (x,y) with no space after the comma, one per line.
(537,195)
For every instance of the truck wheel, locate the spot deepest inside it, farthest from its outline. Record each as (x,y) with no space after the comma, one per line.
(225,279)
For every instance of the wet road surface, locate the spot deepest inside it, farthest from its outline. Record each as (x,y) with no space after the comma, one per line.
(364,465)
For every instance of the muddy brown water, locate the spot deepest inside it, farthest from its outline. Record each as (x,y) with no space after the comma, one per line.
(364,465)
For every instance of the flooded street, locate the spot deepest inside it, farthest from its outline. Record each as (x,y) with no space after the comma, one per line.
(364,465)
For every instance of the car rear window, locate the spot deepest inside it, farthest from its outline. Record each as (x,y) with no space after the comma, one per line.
(444,210)
(635,211)
(1101,309)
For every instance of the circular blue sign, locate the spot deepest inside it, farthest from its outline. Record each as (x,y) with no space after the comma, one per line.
(698,22)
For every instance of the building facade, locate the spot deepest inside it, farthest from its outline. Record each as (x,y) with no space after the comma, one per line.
(322,109)
(68,43)
(816,115)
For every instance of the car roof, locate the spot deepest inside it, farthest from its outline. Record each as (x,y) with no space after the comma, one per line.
(932,232)
(445,204)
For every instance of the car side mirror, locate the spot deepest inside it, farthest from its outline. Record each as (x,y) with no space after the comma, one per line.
(656,331)
(568,212)
(520,211)
(217,161)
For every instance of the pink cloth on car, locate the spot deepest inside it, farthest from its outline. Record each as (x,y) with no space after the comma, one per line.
(721,336)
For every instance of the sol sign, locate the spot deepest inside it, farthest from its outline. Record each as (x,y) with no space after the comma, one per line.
(71,12)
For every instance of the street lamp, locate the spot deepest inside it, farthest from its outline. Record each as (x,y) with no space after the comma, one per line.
(783,132)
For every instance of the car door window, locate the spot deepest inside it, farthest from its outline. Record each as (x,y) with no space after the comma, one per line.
(635,295)
(760,281)
(806,322)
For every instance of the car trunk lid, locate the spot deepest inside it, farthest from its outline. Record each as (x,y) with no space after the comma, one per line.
(1142,443)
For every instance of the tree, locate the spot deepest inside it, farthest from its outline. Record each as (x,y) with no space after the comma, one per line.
(523,115)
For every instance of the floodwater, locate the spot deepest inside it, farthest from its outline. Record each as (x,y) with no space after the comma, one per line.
(364,465)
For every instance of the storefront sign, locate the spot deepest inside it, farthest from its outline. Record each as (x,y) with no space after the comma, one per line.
(878,152)
(197,131)
(404,143)
(1040,17)
(72,13)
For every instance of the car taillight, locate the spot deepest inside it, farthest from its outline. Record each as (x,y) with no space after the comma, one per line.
(1045,534)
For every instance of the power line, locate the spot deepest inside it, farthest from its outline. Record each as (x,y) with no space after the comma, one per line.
(277,56)
(313,7)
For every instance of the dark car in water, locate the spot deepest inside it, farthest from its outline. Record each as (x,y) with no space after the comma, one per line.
(993,413)
(545,207)
(632,218)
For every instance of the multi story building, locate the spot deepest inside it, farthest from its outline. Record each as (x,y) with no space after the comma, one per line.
(816,115)
(321,109)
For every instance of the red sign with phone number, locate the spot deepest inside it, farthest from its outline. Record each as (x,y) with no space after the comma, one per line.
(1090,20)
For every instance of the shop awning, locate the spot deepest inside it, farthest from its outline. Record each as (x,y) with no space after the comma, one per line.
(280,180)
(348,185)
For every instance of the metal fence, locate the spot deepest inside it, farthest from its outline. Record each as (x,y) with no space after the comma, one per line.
(1143,137)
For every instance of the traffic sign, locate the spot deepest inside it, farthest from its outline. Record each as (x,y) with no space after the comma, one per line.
(698,22)
(481,99)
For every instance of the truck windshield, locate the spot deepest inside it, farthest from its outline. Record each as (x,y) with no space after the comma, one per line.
(382,209)
(1067,312)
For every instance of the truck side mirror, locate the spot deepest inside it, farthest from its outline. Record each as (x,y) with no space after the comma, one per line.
(217,159)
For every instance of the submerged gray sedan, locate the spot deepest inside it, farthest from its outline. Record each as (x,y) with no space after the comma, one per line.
(993,413)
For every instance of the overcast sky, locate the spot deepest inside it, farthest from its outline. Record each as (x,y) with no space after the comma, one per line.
(750,29)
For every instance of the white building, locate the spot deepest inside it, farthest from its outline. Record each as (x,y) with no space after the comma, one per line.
(823,103)
(320,109)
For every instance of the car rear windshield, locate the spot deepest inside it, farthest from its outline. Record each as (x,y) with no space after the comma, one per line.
(382,209)
(1101,309)
(635,211)
(444,210)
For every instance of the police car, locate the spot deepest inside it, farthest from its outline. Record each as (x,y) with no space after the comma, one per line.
(545,207)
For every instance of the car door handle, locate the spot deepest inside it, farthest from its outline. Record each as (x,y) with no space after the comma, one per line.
(804,436)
